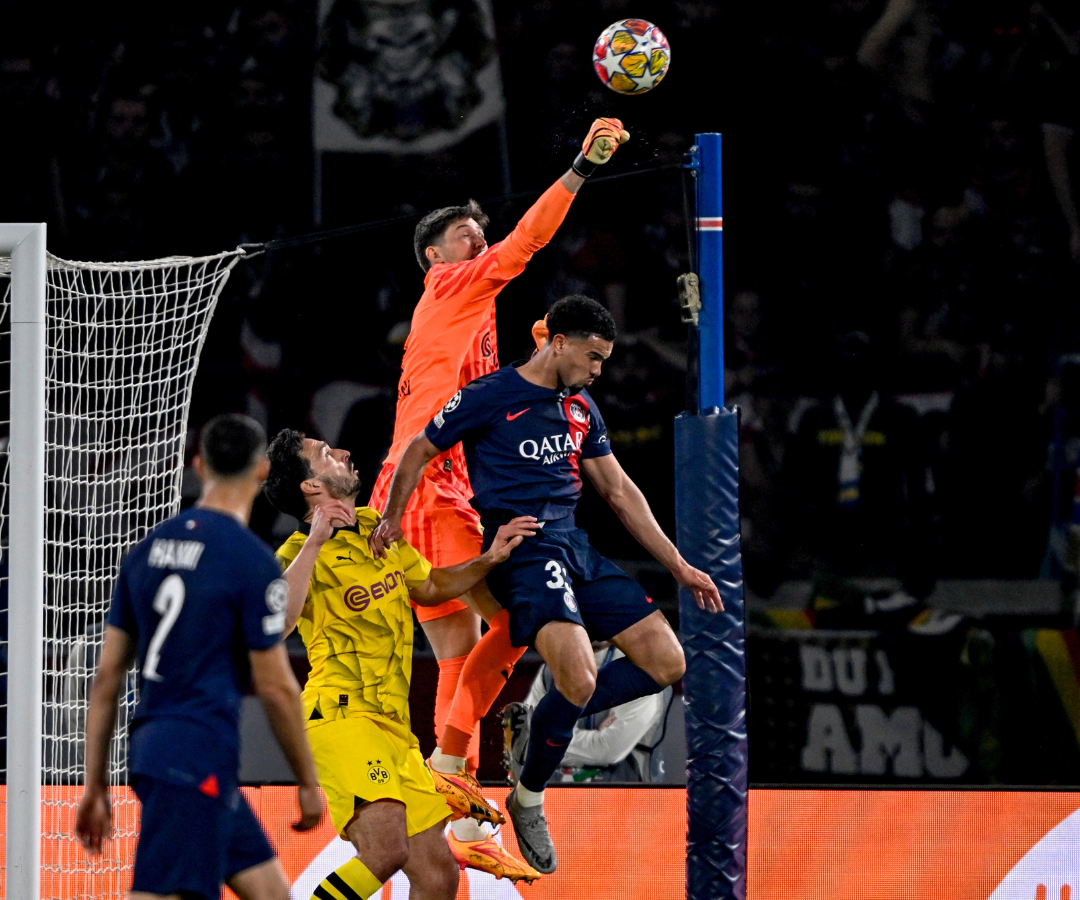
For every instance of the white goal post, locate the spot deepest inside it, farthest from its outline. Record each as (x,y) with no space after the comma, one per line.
(25,244)
(101,364)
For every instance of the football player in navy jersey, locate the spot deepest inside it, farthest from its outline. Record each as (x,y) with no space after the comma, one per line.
(200,605)
(528,432)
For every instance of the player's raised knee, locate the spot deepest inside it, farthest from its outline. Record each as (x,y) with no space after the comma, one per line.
(671,667)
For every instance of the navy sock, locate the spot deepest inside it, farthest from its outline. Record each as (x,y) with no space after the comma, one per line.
(620,681)
(550,731)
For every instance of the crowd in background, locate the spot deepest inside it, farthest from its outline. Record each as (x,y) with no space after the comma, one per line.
(902,259)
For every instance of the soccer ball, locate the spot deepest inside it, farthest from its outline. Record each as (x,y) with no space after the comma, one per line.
(631,56)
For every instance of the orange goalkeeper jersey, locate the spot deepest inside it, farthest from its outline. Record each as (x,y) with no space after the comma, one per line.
(452,340)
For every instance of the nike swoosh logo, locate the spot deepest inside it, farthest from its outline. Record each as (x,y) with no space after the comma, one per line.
(551,743)
(510,418)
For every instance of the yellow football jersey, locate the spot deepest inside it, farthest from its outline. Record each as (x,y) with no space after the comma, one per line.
(357,623)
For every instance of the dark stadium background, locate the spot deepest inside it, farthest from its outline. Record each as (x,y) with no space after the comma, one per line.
(891,225)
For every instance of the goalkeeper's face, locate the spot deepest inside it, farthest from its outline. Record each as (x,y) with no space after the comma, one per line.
(332,469)
(462,240)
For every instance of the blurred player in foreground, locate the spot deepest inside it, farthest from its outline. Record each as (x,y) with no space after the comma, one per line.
(353,614)
(198,588)
(452,342)
(527,433)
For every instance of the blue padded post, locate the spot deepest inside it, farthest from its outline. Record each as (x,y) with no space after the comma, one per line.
(707,158)
(714,687)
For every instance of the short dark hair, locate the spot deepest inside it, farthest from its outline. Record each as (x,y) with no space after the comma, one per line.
(231,444)
(287,470)
(430,230)
(579,317)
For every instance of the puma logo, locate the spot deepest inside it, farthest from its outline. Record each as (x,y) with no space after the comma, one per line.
(346,558)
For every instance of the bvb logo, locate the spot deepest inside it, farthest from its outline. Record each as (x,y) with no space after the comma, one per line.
(378,773)
(357,598)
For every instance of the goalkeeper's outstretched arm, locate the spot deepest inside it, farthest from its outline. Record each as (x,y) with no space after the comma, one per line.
(544,217)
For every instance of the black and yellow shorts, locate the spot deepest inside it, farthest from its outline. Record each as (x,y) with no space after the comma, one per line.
(362,758)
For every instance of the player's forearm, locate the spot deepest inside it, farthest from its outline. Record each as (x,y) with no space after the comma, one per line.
(100,718)
(538,226)
(572,181)
(449,582)
(407,474)
(298,577)
(633,511)
(286,715)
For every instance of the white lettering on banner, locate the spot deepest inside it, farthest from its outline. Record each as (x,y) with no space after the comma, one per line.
(850,666)
(901,740)
(816,668)
(169,554)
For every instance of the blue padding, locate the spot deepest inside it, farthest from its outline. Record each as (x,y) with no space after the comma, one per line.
(714,688)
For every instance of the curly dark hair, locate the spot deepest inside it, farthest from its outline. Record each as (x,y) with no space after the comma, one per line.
(430,229)
(579,317)
(231,444)
(287,470)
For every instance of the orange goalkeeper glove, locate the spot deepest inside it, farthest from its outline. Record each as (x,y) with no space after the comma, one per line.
(599,145)
(540,332)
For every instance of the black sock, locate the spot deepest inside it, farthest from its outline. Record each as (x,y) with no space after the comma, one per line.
(620,681)
(550,731)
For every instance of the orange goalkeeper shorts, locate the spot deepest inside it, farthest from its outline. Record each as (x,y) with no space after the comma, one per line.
(444,532)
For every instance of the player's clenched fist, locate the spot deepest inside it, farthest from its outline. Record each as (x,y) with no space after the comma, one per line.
(93,822)
(384,536)
(508,537)
(603,140)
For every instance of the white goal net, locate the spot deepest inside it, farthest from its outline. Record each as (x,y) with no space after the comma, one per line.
(122,345)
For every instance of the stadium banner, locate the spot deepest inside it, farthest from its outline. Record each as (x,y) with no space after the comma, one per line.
(613,844)
(918,845)
(630,844)
(404,77)
(965,705)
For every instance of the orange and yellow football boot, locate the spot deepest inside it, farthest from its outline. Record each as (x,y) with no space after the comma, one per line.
(488,856)
(464,796)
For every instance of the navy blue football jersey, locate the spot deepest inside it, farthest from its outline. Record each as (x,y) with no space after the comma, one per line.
(196,595)
(523,443)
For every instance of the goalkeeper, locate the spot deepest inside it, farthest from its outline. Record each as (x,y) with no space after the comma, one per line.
(453,342)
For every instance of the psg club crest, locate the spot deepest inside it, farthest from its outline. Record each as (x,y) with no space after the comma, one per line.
(579,413)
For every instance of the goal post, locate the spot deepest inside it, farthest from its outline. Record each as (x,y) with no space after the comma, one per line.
(25,245)
(101,359)
(707,522)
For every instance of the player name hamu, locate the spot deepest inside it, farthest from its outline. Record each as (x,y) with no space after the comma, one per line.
(551,449)
(169,554)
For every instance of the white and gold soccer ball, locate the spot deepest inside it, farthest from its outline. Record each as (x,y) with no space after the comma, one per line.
(631,56)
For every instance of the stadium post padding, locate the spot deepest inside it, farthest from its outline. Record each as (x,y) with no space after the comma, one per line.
(26,594)
(707,514)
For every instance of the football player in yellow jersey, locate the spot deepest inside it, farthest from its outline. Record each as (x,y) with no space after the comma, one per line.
(354,615)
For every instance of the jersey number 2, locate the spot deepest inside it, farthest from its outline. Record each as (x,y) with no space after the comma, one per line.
(168,601)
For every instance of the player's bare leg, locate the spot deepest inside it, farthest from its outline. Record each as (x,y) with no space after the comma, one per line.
(432,872)
(265,881)
(144,895)
(378,834)
(566,649)
(652,646)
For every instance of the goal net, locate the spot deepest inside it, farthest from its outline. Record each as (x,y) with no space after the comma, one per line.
(122,345)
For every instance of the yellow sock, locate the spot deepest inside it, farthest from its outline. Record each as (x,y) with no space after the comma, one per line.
(352,881)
